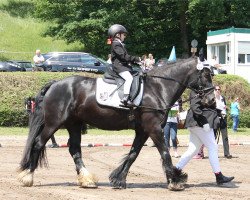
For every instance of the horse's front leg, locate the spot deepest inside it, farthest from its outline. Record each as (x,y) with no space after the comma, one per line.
(118,176)
(85,178)
(175,177)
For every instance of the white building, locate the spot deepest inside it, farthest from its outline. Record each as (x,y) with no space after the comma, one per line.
(232,48)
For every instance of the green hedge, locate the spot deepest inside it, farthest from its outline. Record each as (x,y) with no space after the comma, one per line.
(244,120)
(13,118)
(15,87)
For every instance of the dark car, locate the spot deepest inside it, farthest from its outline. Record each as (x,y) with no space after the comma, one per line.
(161,62)
(74,61)
(15,65)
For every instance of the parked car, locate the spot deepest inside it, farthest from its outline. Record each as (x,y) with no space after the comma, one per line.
(161,62)
(74,61)
(15,65)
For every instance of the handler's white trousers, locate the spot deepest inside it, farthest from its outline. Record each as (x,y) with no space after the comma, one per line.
(127,76)
(198,137)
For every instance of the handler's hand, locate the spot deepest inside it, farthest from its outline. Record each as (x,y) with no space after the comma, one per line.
(206,127)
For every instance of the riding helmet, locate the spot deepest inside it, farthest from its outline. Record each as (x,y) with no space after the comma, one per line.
(116,28)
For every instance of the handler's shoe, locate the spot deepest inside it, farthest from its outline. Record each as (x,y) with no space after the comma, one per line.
(220,178)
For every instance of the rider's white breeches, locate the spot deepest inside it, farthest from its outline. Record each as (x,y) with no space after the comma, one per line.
(128,81)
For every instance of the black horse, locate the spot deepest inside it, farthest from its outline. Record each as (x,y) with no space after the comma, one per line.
(71,103)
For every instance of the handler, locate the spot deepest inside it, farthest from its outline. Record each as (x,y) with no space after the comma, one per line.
(200,121)
(121,60)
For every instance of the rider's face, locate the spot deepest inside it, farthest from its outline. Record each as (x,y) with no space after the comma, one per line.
(123,36)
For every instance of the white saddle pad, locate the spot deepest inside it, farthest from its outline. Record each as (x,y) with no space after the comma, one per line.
(105,94)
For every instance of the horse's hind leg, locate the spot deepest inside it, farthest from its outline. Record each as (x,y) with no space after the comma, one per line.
(37,153)
(85,179)
(118,176)
(175,177)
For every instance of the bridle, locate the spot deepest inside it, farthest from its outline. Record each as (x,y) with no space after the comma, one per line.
(197,88)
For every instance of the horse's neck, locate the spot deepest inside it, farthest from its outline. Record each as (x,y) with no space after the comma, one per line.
(169,91)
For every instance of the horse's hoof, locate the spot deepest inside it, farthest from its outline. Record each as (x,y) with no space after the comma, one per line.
(26,178)
(118,184)
(176,186)
(87,181)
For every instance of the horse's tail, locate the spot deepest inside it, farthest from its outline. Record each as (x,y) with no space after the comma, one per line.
(36,125)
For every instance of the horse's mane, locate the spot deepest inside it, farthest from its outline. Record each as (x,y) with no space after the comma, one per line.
(174,66)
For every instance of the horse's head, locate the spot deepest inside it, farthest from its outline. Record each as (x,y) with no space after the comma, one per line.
(201,82)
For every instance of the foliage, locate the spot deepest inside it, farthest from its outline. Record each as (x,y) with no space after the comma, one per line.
(20,37)
(244,119)
(17,86)
(19,8)
(154,26)
(233,86)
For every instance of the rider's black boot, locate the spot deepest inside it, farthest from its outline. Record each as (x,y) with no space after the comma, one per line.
(125,99)
(220,178)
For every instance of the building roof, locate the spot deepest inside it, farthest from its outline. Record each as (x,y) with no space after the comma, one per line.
(229,30)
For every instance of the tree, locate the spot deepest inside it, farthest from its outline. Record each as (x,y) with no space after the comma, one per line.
(154,26)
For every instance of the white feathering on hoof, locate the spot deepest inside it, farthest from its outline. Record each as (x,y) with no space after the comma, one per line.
(176,186)
(26,178)
(86,179)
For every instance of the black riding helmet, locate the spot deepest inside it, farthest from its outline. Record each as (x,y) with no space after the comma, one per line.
(116,28)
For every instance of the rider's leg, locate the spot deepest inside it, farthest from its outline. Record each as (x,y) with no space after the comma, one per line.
(126,75)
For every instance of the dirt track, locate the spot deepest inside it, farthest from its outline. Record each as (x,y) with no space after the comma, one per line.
(145,180)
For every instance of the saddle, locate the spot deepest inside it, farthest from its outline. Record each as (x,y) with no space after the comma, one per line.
(109,89)
(112,77)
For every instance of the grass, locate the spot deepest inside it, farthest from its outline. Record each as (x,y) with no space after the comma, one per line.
(20,37)
(9,131)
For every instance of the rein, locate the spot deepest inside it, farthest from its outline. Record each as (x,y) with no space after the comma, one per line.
(200,92)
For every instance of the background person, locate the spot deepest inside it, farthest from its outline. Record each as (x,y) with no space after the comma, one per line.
(150,62)
(38,61)
(222,111)
(143,62)
(235,113)
(171,127)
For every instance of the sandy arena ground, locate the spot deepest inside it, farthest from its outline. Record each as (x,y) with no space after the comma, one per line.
(145,180)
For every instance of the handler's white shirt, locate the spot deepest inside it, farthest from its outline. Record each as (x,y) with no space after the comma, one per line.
(221,105)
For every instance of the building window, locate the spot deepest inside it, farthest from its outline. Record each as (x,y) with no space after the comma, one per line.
(244,50)
(222,54)
(244,58)
(248,58)
(241,58)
